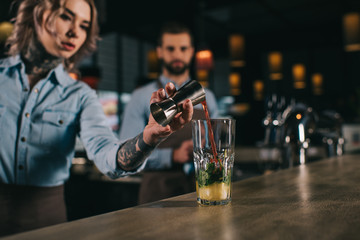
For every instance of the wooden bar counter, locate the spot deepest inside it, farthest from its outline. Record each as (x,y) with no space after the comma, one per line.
(319,200)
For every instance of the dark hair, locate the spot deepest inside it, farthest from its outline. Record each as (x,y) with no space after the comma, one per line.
(174,28)
(29,18)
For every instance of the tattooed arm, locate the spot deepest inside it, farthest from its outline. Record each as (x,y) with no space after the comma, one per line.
(134,152)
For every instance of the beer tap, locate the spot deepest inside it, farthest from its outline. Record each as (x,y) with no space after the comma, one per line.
(268,120)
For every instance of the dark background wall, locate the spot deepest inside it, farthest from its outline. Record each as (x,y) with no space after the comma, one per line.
(304,31)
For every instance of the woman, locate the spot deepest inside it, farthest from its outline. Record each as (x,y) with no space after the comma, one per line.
(42,110)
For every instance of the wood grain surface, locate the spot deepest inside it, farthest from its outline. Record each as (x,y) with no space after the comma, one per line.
(320,200)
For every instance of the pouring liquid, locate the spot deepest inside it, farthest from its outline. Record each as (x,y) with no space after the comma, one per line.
(211,133)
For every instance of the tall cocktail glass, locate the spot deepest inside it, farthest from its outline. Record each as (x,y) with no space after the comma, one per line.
(214,142)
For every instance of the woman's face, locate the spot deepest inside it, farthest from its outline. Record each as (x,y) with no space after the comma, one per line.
(70,31)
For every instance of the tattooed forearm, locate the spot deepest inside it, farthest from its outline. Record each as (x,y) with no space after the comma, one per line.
(133,153)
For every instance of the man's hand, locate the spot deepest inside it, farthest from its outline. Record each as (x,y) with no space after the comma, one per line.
(153,132)
(184,153)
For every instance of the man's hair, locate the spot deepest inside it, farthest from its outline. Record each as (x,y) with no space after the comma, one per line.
(174,28)
(29,18)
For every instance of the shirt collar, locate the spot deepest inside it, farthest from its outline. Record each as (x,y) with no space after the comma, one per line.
(58,74)
(61,75)
(11,61)
(164,80)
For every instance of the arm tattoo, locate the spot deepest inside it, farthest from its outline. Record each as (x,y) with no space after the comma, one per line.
(129,158)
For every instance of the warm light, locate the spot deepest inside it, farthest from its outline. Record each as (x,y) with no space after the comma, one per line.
(153,64)
(298,116)
(235,82)
(237,50)
(74,75)
(235,92)
(92,81)
(204,54)
(258,89)
(153,75)
(317,79)
(351,25)
(237,44)
(204,63)
(258,86)
(275,65)
(235,79)
(317,83)
(204,60)
(299,72)
(240,108)
(299,85)
(5,30)
(202,77)
(239,63)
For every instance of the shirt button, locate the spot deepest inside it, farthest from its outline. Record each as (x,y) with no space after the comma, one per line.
(27,115)
(26,89)
(23,139)
(61,122)
(36,90)
(21,167)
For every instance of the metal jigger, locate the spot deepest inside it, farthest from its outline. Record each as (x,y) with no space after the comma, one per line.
(164,111)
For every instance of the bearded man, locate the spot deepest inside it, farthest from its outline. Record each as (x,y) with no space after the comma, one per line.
(168,169)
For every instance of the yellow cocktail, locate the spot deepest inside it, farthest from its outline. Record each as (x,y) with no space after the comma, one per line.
(214,192)
(214,142)
(213,185)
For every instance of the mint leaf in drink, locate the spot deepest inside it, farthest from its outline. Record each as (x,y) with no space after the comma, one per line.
(211,174)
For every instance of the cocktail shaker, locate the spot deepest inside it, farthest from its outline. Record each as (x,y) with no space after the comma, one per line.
(164,111)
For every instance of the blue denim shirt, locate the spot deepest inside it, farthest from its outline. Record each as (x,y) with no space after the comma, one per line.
(39,127)
(136,116)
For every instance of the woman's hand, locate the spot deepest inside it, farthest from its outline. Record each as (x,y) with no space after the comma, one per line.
(153,132)
(134,152)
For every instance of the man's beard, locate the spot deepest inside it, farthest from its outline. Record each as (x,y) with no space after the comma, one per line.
(175,70)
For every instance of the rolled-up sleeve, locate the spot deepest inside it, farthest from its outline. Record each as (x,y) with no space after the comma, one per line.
(100,143)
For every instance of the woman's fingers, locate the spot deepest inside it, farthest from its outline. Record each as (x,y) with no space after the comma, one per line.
(186,115)
(181,118)
(170,88)
(188,111)
(158,96)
